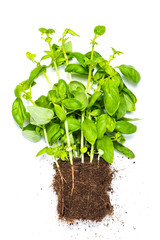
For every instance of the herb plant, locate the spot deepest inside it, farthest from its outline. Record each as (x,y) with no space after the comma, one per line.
(75,119)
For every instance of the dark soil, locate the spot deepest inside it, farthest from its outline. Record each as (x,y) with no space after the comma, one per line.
(90,199)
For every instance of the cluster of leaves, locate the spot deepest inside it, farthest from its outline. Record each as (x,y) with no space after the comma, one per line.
(73,120)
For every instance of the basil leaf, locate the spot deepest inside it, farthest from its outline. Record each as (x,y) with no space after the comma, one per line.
(94,98)
(80,58)
(89,131)
(60,112)
(43,101)
(35,73)
(40,115)
(19,112)
(122,107)
(101,125)
(130,72)
(130,105)
(72,104)
(99,30)
(124,150)
(73,124)
(111,96)
(82,98)
(56,136)
(125,127)
(62,88)
(99,75)
(52,96)
(31,135)
(110,124)
(96,112)
(75,86)
(95,55)
(68,47)
(76,68)
(52,129)
(130,94)
(106,145)
(42,151)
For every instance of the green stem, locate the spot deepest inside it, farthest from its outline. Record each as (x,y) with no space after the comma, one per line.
(68,142)
(49,83)
(45,136)
(54,62)
(92,153)
(46,139)
(90,67)
(66,58)
(82,137)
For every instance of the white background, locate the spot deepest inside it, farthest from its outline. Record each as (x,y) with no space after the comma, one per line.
(27,204)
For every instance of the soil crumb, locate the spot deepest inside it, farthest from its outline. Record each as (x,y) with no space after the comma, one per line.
(90,199)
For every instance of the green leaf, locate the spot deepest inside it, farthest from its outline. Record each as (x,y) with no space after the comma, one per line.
(60,112)
(52,129)
(42,30)
(52,96)
(130,105)
(94,98)
(105,123)
(99,30)
(122,107)
(124,150)
(68,47)
(35,73)
(130,72)
(76,68)
(89,130)
(47,31)
(111,124)
(101,125)
(72,104)
(57,136)
(130,94)
(125,127)
(80,58)
(31,135)
(19,111)
(95,55)
(73,124)
(43,101)
(82,98)
(40,115)
(75,86)
(96,112)
(106,145)
(99,75)
(111,96)
(18,91)
(46,57)
(62,88)
(71,32)
(83,150)
(42,151)
(130,119)
(30,56)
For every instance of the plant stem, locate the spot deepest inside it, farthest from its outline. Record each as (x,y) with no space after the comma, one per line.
(92,153)
(66,58)
(68,142)
(54,62)
(45,136)
(90,67)
(82,137)
(49,83)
